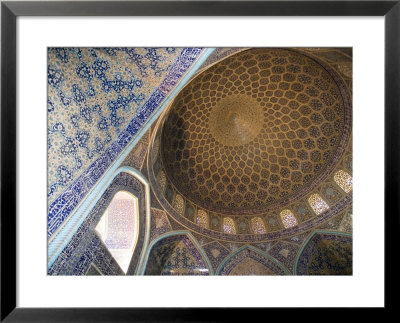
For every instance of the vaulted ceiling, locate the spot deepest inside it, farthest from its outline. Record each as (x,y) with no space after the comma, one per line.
(255,131)
(251,149)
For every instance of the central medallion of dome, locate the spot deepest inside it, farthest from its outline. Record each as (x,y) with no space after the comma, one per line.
(236,120)
(255,131)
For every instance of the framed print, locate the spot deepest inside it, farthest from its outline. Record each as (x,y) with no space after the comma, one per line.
(166,149)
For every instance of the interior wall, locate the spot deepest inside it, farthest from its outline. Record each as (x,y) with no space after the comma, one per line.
(94,112)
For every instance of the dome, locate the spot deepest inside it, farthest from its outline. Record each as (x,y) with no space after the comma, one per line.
(255,131)
(200,161)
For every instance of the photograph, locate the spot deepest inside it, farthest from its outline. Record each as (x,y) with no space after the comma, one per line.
(199,161)
(145,139)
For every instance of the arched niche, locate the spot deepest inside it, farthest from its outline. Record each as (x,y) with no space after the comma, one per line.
(130,185)
(177,254)
(250,261)
(326,253)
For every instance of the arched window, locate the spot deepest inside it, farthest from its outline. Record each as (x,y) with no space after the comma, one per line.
(229,226)
(317,204)
(202,218)
(179,204)
(118,228)
(344,180)
(257,225)
(288,219)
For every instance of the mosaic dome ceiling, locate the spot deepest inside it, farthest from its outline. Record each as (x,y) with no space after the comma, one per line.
(256,131)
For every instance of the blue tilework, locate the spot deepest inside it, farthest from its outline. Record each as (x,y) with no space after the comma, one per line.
(63,205)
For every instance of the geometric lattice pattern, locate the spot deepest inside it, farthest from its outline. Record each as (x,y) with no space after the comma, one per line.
(229,226)
(244,128)
(317,203)
(253,130)
(344,180)
(288,219)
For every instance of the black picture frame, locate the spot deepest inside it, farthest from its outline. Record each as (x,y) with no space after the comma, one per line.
(10,10)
